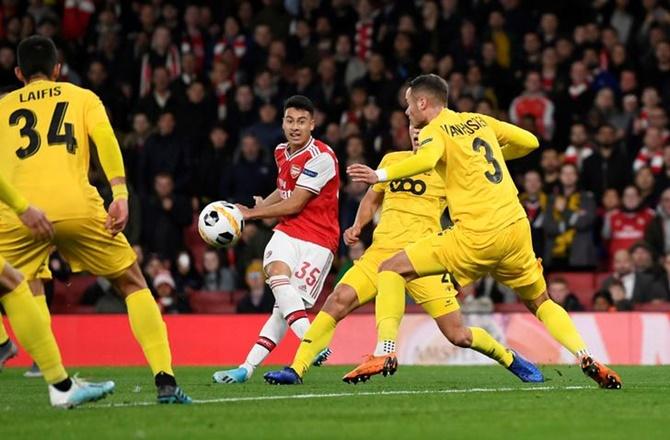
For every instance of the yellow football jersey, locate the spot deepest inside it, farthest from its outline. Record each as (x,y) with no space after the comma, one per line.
(482,195)
(412,206)
(44,147)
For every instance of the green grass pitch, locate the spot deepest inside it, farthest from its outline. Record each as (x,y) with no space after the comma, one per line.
(416,403)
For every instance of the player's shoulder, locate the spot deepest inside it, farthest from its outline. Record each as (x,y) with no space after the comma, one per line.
(73,89)
(395,156)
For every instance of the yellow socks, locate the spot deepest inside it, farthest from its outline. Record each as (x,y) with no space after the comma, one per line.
(484,343)
(4,337)
(33,333)
(560,326)
(317,338)
(149,329)
(389,309)
(44,308)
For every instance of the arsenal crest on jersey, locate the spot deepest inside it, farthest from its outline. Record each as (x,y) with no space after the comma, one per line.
(295,170)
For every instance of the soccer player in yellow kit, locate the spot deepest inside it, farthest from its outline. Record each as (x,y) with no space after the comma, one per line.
(410,209)
(30,327)
(491,234)
(44,153)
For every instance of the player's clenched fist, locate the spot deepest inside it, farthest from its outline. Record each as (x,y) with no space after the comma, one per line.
(38,223)
(351,235)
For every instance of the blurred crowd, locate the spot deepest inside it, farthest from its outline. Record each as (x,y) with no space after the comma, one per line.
(194,90)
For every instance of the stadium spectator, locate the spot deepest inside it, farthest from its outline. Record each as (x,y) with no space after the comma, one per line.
(185,274)
(580,148)
(638,287)
(168,299)
(165,214)
(165,152)
(559,290)
(568,225)
(196,116)
(132,147)
(249,175)
(603,302)
(255,236)
(661,288)
(533,102)
(651,153)
(626,226)
(617,292)
(267,130)
(534,201)
(550,166)
(258,297)
(658,231)
(216,277)
(644,260)
(160,99)
(211,163)
(646,184)
(607,167)
(161,54)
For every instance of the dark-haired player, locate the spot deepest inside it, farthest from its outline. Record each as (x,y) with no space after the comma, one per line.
(298,257)
(44,153)
(491,233)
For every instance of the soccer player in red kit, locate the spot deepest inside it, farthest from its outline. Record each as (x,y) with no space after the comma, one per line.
(298,257)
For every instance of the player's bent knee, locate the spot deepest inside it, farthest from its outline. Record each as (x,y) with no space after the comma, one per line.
(130,281)
(460,337)
(341,302)
(277,268)
(10,279)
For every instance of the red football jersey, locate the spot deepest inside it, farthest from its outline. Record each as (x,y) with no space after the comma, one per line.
(627,228)
(314,168)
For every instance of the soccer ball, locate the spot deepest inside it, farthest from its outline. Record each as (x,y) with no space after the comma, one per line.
(220,224)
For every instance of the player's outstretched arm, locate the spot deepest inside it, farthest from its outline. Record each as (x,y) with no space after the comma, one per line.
(366,211)
(515,142)
(274,197)
(426,157)
(32,217)
(291,206)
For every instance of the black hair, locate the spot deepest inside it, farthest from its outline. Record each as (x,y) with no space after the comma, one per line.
(432,84)
(299,102)
(36,55)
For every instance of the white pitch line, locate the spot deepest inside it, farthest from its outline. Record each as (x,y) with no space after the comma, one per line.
(364,393)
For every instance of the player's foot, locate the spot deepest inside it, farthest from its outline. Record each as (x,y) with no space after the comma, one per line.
(236,375)
(322,357)
(386,365)
(525,370)
(604,376)
(80,392)
(286,376)
(7,351)
(168,394)
(33,371)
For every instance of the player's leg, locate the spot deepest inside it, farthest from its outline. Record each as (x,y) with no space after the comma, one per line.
(7,347)
(36,337)
(521,271)
(88,246)
(37,288)
(356,287)
(287,298)
(150,332)
(271,334)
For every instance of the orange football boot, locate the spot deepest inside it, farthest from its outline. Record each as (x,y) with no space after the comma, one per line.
(604,376)
(386,365)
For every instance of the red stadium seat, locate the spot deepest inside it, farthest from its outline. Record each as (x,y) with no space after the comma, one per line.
(194,243)
(580,283)
(68,296)
(599,278)
(211,302)
(653,307)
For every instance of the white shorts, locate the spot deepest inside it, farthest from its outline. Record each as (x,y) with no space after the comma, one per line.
(309,263)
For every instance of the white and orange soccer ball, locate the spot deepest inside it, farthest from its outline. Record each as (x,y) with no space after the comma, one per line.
(220,224)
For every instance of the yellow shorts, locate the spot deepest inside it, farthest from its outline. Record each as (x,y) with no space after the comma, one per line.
(436,294)
(506,254)
(84,243)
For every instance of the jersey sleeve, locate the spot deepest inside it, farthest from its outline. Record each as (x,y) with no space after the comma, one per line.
(316,173)
(431,149)
(515,142)
(10,197)
(380,187)
(95,113)
(102,133)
